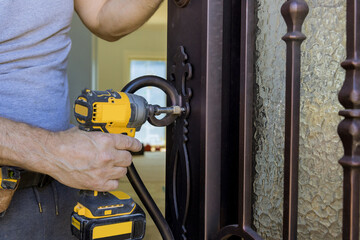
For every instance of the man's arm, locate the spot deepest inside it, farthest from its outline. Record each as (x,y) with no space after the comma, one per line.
(79,159)
(113,19)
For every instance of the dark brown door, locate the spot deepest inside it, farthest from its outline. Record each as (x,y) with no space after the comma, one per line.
(204,56)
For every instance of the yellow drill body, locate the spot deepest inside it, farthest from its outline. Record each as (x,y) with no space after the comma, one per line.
(109,215)
(110,111)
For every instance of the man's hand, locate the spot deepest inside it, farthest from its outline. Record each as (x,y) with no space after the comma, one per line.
(89,160)
(79,159)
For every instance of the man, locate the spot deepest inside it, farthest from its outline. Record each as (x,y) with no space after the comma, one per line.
(35,134)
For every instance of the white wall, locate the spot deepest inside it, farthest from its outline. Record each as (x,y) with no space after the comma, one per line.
(79,68)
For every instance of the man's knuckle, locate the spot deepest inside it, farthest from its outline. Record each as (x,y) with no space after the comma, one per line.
(127,154)
(106,157)
(112,185)
(127,158)
(137,143)
(127,142)
(98,184)
(106,139)
(123,172)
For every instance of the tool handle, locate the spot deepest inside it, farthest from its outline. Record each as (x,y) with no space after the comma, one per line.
(133,176)
(149,203)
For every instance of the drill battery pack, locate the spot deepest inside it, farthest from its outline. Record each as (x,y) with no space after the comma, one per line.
(118,217)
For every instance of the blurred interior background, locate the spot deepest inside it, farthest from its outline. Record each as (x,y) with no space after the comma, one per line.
(100,65)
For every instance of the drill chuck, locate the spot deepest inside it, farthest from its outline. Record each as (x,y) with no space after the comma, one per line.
(157,110)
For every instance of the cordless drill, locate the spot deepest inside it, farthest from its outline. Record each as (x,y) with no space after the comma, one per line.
(111,215)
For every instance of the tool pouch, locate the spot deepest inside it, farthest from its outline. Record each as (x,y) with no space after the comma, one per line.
(9,182)
(5,199)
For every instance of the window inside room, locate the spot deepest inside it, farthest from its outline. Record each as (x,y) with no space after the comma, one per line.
(149,135)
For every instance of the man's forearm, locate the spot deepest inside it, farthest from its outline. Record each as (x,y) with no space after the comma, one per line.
(22,145)
(79,159)
(135,13)
(113,19)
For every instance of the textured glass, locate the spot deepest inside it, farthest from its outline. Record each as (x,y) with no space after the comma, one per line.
(320,175)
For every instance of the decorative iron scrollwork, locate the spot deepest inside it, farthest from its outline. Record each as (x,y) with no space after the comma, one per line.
(179,95)
(180,191)
(181,3)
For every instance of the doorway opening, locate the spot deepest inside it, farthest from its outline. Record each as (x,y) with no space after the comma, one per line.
(140,53)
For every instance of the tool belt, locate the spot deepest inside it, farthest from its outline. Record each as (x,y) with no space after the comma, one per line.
(27,179)
(33,179)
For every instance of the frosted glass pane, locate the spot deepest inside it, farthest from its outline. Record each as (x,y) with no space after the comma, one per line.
(140,68)
(320,175)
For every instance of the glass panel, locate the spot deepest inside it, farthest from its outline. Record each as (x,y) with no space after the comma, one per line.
(150,135)
(320,176)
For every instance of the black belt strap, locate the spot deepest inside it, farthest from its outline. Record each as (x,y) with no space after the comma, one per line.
(33,179)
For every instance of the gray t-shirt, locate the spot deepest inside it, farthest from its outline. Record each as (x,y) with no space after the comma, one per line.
(34,45)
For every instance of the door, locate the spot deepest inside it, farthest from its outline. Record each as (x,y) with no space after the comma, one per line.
(208,54)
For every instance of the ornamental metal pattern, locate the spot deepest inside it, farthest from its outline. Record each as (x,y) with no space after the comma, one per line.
(349,128)
(181,72)
(181,3)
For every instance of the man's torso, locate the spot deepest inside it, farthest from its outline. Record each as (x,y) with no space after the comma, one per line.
(34,45)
